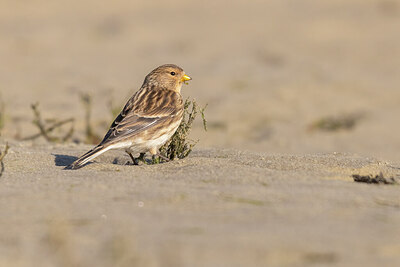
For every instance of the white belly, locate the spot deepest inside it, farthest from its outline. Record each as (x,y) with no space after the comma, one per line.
(141,146)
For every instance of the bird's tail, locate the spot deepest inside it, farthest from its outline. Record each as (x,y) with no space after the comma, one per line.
(88,156)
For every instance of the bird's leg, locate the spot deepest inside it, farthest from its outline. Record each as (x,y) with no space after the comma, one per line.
(134,161)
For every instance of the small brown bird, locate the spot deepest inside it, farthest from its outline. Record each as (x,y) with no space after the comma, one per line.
(150,117)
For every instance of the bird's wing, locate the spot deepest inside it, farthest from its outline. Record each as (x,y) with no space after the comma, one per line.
(141,114)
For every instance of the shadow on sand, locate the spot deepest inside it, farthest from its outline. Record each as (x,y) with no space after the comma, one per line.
(63,160)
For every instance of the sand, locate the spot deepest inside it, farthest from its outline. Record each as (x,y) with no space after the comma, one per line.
(215,208)
(261,188)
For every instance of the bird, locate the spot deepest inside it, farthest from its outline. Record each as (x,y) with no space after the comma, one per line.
(149,118)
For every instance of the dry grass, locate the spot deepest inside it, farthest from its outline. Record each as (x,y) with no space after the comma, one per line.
(336,123)
(90,136)
(2,155)
(47,127)
(377,179)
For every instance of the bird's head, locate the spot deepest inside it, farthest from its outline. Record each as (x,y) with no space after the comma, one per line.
(167,76)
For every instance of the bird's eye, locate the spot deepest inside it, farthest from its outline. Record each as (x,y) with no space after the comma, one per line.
(173,73)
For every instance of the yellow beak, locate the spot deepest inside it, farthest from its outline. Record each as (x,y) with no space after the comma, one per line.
(186,78)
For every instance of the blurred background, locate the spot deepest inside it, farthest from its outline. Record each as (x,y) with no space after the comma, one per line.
(279,76)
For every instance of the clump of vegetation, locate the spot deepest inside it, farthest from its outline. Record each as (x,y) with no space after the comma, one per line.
(377,179)
(335,123)
(2,155)
(46,127)
(179,146)
(91,137)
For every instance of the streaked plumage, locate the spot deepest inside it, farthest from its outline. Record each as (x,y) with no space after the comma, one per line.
(149,118)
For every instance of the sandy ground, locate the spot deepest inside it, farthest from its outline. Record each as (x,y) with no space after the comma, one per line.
(216,208)
(260,187)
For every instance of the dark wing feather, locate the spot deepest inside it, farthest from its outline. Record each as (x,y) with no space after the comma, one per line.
(146,109)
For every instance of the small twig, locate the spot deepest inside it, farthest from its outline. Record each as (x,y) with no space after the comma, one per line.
(59,124)
(87,103)
(38,122)
(52,127)
(203,116)
(91,137)
(2,155)
(68,134)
